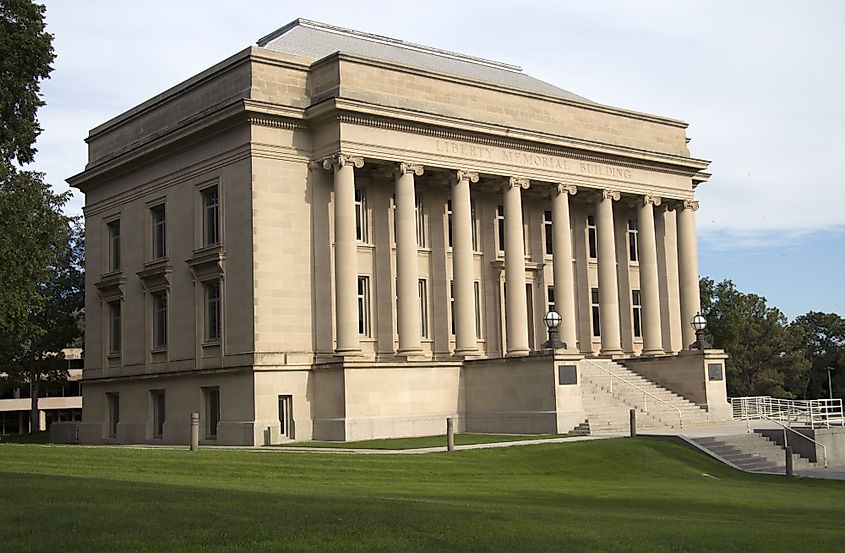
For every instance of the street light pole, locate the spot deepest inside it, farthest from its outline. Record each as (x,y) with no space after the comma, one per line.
(829,382)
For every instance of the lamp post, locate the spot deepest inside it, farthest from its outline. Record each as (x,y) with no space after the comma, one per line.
(699,323)
(829,382)
(552,321)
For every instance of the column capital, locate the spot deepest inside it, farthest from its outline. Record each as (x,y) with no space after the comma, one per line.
(608,194)
(689,204)
(336,161)
(465,174)
(404,167)
(514,182)
(563,188)
(649,199)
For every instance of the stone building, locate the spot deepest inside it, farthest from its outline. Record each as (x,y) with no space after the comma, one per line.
(336,235)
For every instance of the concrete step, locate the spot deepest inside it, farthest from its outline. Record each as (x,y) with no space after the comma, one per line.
(751,452)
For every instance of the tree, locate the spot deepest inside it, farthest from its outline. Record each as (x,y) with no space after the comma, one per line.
(767,355)
(824,346)
(26,52)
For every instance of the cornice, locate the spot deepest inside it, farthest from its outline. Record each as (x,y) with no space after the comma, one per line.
(488,135)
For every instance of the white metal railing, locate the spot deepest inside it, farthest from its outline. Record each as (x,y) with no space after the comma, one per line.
(786,436)
(646,393)
(815,413)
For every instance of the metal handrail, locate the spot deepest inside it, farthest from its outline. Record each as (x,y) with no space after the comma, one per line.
(786,440)
(645,392)
(815,412)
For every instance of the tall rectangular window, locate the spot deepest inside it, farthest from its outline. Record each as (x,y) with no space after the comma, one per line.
(113,401)
(547,231)
(595,311)
(115,327)
(159,413)
(213,312)
(159,319)
(286,416)
(550,299)
(419,212)
(361,223)
(452,307)
(591,236)
(449,223)
(364,327)
(500,227)
(113,228)
(159,227)
(473,220)
(211,397)
(211,216)
(633,240)
(423,294)
(477,294)
(637,308)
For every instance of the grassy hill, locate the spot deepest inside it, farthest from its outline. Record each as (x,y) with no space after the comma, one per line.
(613,495)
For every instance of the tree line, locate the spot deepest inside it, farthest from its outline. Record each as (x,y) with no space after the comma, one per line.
(769,355)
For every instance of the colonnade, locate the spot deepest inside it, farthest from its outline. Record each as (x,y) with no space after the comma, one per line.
(408,316)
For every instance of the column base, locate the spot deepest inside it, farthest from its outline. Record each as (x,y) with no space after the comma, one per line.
(467,352)
(518,353)
(652,352)
(612,353)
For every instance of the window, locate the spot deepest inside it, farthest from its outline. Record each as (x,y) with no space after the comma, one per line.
(591,236)
(115,334)
(477,290)
(211,216)
(361,224)
(159,226)
(550,299)
(286,416)
(474,227)
(449,223)
(113,228)
(212,312)
(500,227)
(211,397)
(157,397)
(633,241)
(159,319)
(637,313)
(594,305)
(423,293)
(547,231)
(452,307)
(113,401)
(419,213)
(364,305)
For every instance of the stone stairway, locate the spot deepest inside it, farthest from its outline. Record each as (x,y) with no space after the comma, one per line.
(753,452)
(608,411)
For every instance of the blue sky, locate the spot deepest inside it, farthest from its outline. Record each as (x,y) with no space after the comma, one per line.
(760,83)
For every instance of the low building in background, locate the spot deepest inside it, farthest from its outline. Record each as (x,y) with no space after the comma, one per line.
(337,235)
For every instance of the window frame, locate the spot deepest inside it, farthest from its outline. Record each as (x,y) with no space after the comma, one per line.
(422,292)
(633,235)
(592,238)
(158,231)
(548,234)
(113,231)
(500,230)
(115,327)
(636,314)
(211,410)
(212,230)
(213,312)
(159,412)
(159,319)
(365,329)
(362,216)
(595,312)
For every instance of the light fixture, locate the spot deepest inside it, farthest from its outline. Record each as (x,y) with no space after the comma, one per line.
(699,323)
(552,321)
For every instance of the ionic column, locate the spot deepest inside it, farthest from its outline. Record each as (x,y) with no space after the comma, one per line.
(516,310)
(611,339)
(649,286)
(407,268)
(562,264)
(466,342)
(688,269)
(345,252)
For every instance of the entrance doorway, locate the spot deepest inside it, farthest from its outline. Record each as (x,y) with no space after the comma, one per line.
(286,416)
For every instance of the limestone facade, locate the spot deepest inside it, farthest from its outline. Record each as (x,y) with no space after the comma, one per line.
(321,248)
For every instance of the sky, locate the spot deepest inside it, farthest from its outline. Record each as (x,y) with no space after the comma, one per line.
(761,84)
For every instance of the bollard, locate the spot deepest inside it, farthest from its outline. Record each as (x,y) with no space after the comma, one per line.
(788,461)
(450,434)
(633,423)
(195,431)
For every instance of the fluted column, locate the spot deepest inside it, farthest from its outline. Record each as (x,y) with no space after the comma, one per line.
(649,286)
(516,309)
(688,269)
(345,252)
(466,342)
(562,255)
(611,340)
(407,269)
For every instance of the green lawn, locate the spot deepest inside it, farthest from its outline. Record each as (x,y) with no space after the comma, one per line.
(427,441)
(611,495)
